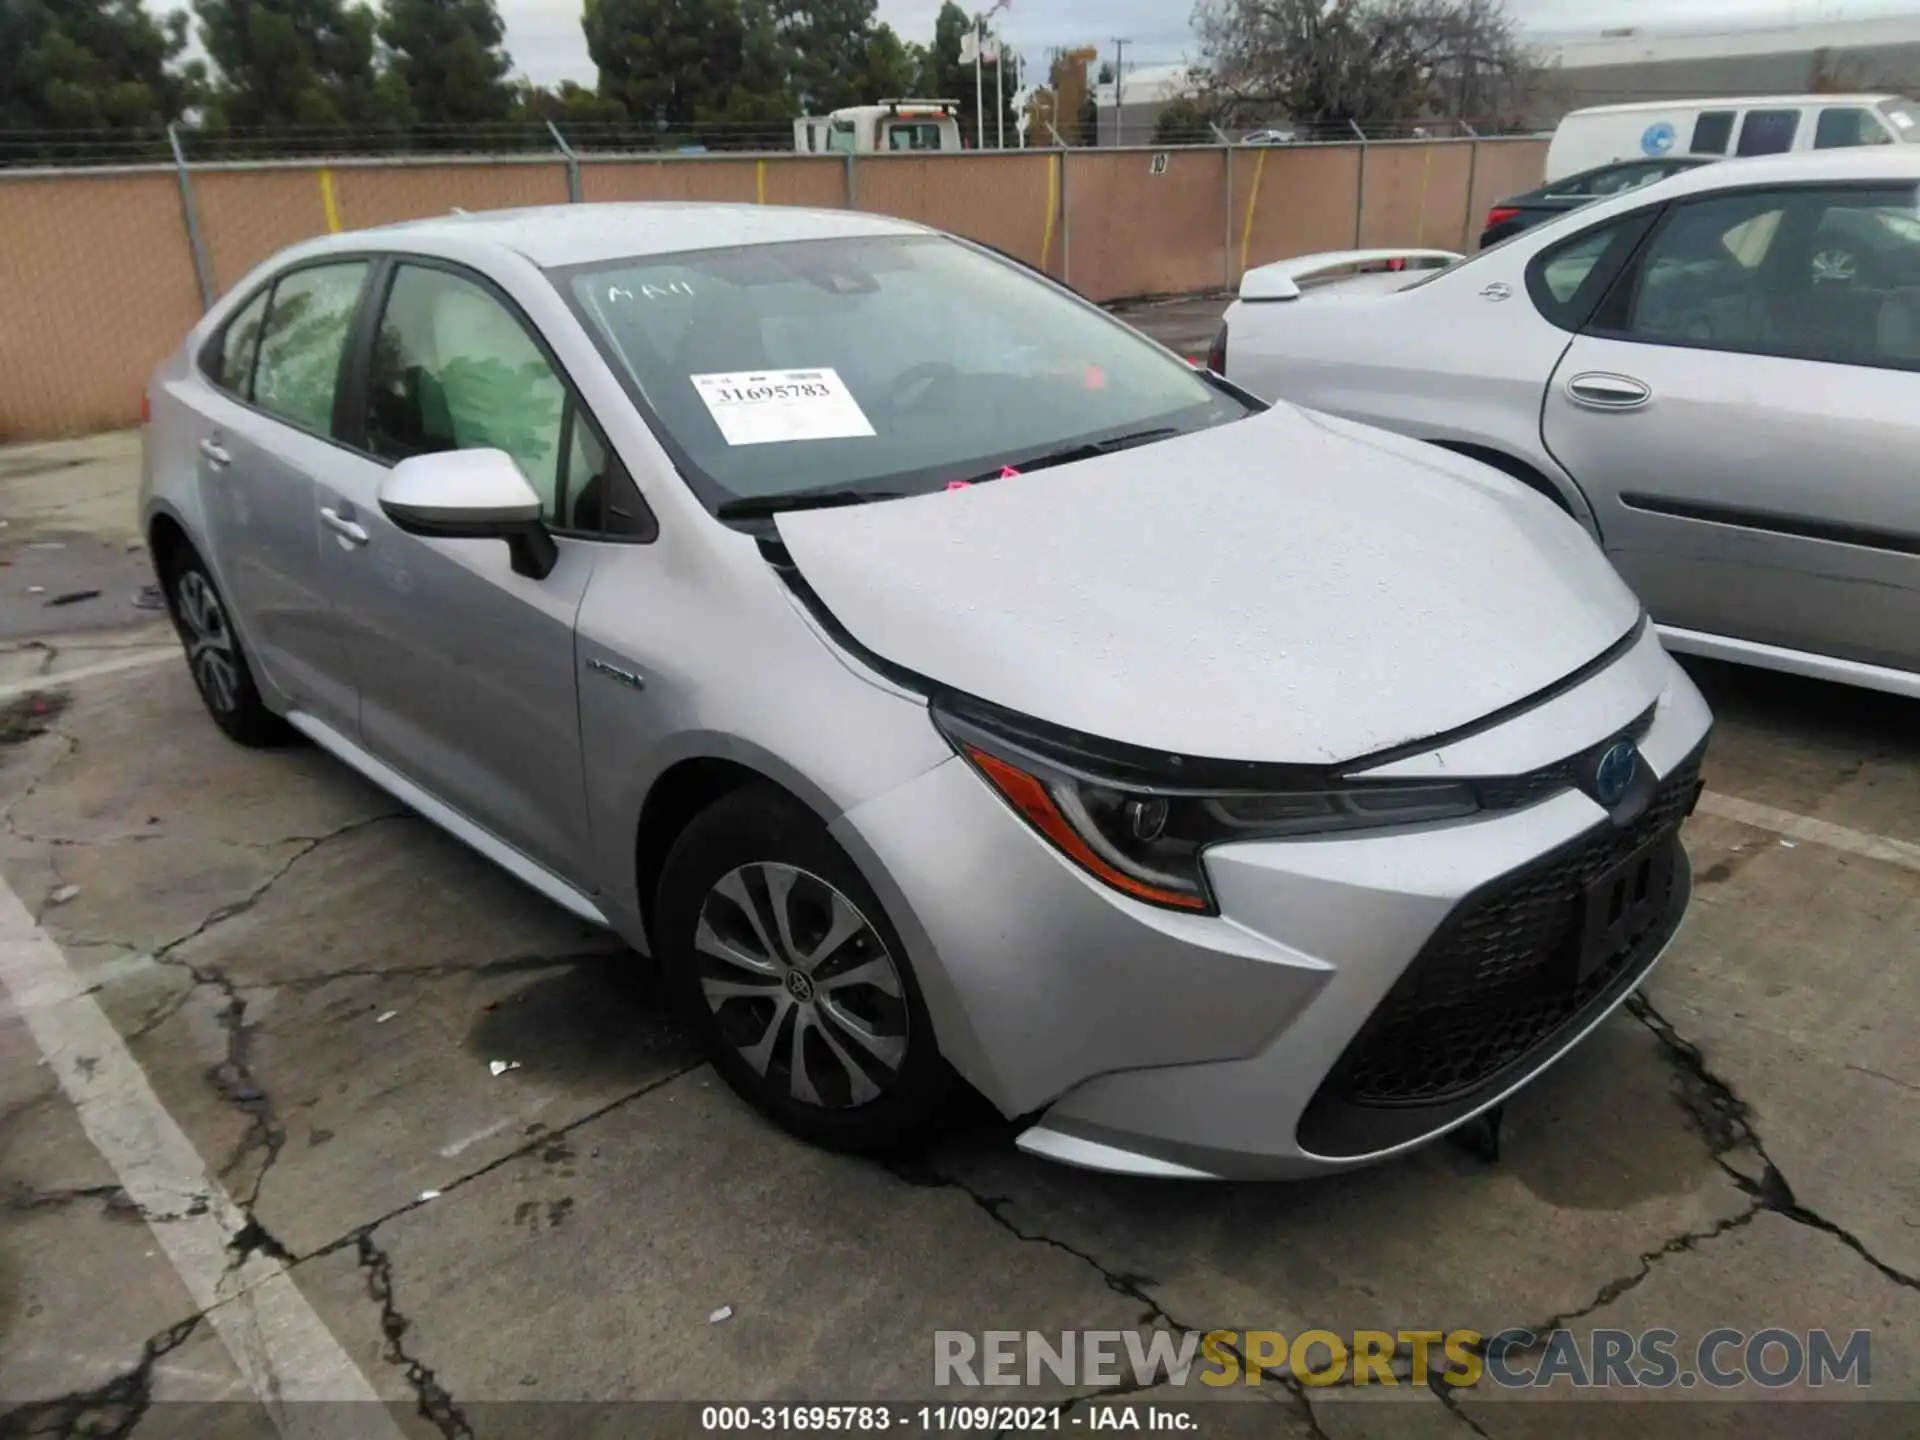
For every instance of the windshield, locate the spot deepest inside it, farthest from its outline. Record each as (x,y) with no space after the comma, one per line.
(893,364)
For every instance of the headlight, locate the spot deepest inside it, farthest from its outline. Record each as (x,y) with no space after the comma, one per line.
(1145,838)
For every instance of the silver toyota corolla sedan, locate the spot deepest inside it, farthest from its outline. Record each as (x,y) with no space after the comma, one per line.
(1716,374)
(943,682)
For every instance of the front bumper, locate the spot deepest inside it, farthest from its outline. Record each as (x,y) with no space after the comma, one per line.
(1229,1045)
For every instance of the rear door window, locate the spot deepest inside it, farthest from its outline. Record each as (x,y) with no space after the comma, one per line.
(1768,132)
(297,373)
(1711,132)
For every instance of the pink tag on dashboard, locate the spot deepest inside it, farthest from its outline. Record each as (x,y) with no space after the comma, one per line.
(959,484)
(1007,472)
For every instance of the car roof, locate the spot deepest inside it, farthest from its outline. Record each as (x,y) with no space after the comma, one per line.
(557,235)
(1733,102)
(1895,163)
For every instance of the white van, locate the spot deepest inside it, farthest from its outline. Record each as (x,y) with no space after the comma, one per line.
(1758,125)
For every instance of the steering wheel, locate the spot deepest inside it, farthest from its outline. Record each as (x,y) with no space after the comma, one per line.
(911,382)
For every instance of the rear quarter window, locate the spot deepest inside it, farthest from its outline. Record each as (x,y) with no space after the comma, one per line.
(1566,281)
(228,361)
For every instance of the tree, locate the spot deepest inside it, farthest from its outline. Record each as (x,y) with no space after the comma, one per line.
(1335,61)
(567,104)
(91,65)
(1182,121)
(308,63)
(841,56)
(448,55)
(671,63)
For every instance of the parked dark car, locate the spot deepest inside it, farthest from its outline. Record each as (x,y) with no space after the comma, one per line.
(1523,212)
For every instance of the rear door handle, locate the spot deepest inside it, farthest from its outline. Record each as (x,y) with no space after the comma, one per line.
(1598,390)
(216,454)
(348,530)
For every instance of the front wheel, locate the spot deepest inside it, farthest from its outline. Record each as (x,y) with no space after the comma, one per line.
(216,658)
(782,961)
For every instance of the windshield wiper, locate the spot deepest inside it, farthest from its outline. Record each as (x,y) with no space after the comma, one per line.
(1085,450)
(758,507)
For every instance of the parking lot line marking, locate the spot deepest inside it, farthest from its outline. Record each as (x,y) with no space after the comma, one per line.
(283,1349)
(160,654)
(1805,827)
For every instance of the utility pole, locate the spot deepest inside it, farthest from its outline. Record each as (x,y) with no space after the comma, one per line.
(979,97)
(1119,90)
(999,96)
(980,19)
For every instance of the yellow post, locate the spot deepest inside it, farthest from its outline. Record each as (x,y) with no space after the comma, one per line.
(1053,200)
(329,203)
(759,182)
(1253,199)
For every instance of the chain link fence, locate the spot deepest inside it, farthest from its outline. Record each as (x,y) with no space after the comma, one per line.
(201,145)
(113,254)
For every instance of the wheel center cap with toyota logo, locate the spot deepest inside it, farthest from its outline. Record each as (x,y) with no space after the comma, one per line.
(799,986)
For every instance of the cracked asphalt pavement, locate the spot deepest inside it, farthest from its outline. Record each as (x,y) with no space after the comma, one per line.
(311,986)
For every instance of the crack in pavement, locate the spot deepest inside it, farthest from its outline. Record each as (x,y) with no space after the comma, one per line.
(22,1196)
(546,1137)
(1449,1396)
(435,1405)
(503,965)
(233,1077)
(1726,1122)
(1126,1284)
(108,1411)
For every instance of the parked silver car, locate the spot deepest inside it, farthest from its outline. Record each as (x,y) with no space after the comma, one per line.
(1715,374)
(936,676)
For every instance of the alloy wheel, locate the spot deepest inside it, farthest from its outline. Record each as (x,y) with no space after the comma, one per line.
(801,984)
(1834,267)
(210,652)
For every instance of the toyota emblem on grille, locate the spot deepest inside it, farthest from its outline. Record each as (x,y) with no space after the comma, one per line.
(1614,773)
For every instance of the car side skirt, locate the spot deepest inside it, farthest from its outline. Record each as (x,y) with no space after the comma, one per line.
(1792,662)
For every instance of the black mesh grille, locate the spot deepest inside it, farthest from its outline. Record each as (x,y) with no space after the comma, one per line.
(1497,981)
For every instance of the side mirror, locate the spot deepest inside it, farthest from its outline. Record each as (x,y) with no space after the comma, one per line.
(471,495)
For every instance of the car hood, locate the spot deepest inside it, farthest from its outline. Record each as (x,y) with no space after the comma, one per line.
(1287,588)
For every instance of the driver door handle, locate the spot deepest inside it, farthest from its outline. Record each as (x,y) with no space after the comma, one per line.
(1598,390)
(216,453)
(350,531)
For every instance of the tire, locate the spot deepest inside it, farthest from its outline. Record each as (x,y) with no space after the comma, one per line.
(216,659)
(751,848)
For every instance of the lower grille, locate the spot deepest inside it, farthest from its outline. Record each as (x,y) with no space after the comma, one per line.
(1497,984)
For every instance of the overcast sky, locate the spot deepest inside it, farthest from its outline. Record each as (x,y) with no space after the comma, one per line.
(544,35)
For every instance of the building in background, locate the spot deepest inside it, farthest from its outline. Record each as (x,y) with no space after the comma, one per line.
(1621,66)
(1146,92)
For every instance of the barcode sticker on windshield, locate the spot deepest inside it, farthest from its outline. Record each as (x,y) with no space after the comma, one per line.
(767,406)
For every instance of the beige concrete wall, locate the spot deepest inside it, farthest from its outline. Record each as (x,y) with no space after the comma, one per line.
(1135,231)
(99,282)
